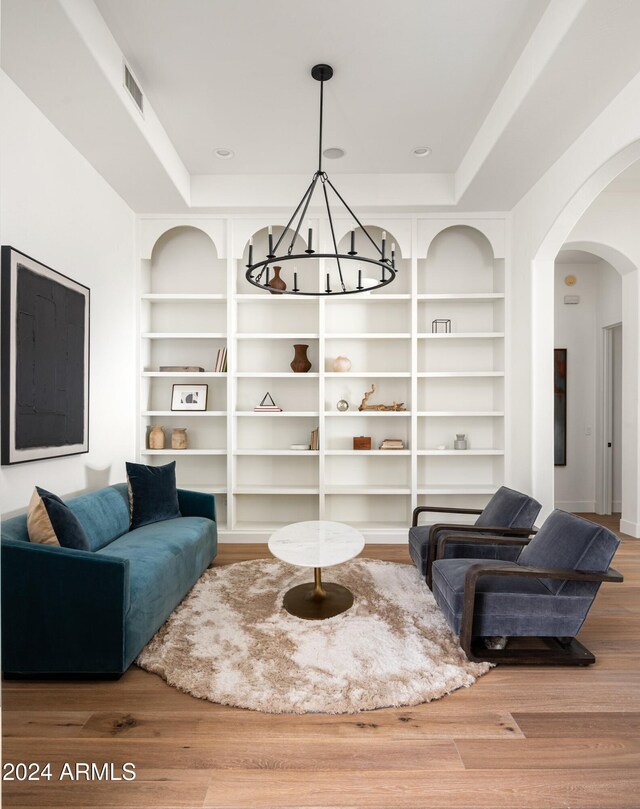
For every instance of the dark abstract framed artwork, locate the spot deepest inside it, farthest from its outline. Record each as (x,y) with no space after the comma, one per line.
(560,406)
(45,361)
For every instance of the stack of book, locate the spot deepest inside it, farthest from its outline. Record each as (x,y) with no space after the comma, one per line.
(315,444)
(392,443)
(221,361)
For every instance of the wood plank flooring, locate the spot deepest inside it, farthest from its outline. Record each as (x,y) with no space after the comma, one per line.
(522,738)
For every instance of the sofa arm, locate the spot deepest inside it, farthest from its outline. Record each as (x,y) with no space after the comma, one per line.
(197,504)
(63,611)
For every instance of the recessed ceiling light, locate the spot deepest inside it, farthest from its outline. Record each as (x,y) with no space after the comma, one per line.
(421,151)
(334,152)
(223,154)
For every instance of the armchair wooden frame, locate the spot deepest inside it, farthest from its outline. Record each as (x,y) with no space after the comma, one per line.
(564,651)
(438,530)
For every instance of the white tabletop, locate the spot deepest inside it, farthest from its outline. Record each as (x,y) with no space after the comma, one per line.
(316,543)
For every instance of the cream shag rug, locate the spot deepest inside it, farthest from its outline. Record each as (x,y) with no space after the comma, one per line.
(230,641)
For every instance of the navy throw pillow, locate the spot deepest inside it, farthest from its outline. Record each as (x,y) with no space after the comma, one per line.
(58,519)
(153,495)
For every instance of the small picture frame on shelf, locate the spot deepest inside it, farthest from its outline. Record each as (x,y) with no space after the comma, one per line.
(189,397)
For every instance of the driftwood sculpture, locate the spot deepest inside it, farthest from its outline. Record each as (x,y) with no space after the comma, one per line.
(396,406)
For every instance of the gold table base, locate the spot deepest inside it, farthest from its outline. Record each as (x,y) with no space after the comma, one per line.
(317,601)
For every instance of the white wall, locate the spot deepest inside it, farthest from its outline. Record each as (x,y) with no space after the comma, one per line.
(578,328)
(56,208)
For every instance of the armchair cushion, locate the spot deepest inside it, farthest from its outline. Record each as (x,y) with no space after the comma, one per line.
(419,548)
(506,605)
(510,508)
(569,542)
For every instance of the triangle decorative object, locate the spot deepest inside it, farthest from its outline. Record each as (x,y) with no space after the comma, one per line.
(267,401)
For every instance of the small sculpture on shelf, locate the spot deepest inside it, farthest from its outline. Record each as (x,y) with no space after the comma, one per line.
(342,365)
(441,326)
(342,406)
(179,438)
(267,405)
(361,442)
(276,284)
(394,407)
(156,437)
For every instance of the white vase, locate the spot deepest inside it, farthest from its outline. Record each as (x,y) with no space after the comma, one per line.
(342,364)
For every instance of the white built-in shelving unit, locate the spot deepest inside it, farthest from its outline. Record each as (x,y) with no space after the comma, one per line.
(194,300)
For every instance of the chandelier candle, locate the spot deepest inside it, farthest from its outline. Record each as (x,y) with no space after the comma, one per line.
(257,273)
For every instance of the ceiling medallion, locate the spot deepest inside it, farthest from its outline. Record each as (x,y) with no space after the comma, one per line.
(258,272)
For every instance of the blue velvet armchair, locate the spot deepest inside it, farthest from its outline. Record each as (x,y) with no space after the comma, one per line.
(546,594)
(509,513)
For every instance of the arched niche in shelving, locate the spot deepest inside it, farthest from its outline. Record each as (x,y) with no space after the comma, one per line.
(460,260)
(402,281)
(184,260)
(304,268)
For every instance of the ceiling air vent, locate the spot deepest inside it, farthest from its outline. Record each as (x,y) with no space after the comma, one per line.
(134,90)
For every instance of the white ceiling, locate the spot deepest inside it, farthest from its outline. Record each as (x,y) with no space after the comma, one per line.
(629,180)
(235,74)
(576,257)
(499,89)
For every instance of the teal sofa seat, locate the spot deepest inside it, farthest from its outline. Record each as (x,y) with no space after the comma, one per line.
(68,612)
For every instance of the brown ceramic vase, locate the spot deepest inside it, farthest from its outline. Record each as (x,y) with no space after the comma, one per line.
(300,363)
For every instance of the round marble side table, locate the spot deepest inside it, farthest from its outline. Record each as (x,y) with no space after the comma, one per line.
(316,544)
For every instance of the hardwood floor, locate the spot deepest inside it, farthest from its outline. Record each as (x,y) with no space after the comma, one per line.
(523,738)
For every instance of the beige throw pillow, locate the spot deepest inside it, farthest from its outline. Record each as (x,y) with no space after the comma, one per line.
(38,522)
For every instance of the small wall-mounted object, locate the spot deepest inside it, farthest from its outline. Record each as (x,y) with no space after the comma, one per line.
(569,299)
(460,442)
(342,406)
(361,442)
(570,280)
(441,326)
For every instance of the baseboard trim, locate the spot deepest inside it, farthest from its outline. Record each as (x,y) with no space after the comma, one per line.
(630,528)
(577,505)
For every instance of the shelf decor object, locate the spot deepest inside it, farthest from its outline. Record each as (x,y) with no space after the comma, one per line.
(342,406)
(460,442)
(342,365)
(156,437)
(258,272)
(361,442)
(300,363)
(441,326)
(189,397)
(179,438)
(395,407)
(277,284)
(267,405)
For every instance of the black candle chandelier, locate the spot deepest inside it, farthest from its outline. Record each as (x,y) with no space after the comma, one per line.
(258,273)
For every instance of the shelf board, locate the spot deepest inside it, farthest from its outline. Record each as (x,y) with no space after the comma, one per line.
(461,335)
(461,452)
(183,452)
(370,298)
(458,374)
(185,375)
(271,336)
(187,297)
(376,452)
(257,296)
(460,413)
(273,375)
(368,336)
(457,488)
(369,413)
(276,489)
(178,335)
(292,452)
(367,489)
(185,413)
(208,488)
(460,296)
(370,374)
(284,414)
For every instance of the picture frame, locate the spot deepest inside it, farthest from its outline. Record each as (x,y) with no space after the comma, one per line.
(560,406)
(44,347)
(189,397)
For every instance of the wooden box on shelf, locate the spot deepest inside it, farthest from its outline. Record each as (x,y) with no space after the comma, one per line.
(361,442)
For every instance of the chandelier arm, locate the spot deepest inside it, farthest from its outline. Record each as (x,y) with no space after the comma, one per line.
(293,216)
(346,205)
(333,234)
(308,195)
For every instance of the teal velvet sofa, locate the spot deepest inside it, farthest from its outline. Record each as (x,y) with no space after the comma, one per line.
(89,613)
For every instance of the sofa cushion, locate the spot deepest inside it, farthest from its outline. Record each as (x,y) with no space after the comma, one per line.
(51,522)
(506,605)
(165,561)
(153,495)
(104,514)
